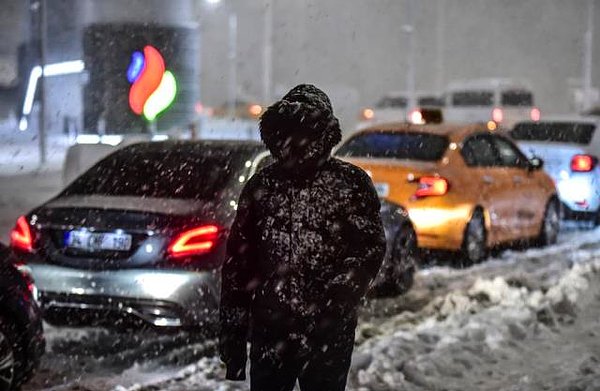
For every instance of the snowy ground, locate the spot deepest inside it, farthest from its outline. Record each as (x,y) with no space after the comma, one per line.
(524,320)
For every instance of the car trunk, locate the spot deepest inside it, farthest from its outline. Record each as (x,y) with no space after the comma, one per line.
(396,180)
(557,156)
(103,232)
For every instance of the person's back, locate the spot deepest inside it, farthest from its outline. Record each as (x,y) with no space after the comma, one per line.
(306,242)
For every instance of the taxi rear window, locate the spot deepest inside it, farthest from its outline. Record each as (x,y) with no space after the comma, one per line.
(395,145)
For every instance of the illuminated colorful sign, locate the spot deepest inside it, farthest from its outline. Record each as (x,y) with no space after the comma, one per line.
(153,88)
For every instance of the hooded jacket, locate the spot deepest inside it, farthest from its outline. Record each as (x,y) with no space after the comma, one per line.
(307,239)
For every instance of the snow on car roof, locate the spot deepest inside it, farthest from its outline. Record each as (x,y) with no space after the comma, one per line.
(484,83)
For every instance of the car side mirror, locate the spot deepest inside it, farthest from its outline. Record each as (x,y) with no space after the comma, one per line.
(535,163)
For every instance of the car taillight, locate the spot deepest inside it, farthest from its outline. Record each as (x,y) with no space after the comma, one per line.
(535,114)
(196,241)
(497,115)
(431,186)
(20,236)
(28,277)
(416,117)
(583,163)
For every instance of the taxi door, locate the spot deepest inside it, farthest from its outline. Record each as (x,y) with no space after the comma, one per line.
(529,200)
(492,185)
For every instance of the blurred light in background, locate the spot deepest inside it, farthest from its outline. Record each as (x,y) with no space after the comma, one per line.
(56,69)
(368,114)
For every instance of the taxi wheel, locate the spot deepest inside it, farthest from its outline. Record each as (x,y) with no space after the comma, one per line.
(405,258)
(399,274)
(550,225)
(474,244)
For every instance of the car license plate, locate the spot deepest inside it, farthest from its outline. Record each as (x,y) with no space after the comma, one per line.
(382,188)
(93,241)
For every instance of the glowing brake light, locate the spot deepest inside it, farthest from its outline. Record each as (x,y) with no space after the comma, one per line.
(535,114)
(582,163)
(431,186)
(497,115)
(20,236)
(416,117)
(195,241)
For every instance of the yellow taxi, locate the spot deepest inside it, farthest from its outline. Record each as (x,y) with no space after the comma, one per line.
(465,188)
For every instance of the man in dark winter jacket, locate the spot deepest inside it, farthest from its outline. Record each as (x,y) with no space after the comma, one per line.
(306,242)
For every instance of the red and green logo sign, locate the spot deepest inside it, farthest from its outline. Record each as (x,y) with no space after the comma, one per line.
(153,88)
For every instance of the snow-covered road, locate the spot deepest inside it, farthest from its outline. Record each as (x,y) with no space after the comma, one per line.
(524,320)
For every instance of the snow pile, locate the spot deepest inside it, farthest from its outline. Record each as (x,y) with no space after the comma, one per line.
(463,331)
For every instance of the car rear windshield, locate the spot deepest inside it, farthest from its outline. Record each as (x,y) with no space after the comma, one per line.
(169,173)
(395,145)
(560,132)
(517,98)
(473,98)
(392,102)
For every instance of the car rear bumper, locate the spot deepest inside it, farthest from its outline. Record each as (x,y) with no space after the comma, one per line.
(440,228)
(161,298)
(579,193)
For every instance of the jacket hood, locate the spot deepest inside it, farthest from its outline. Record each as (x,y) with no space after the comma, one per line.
(300,130)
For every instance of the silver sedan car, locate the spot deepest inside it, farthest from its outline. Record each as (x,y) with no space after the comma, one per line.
(140,237)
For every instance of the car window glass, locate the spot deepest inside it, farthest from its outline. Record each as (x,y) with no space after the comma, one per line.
(395,145)
(559,132)
(473,98)
(184,173)
(517,98)
(509,155)
(430,101)
(390,102)
(479,152)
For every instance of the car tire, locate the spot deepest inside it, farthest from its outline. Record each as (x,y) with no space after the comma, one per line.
(399,276)
(474,248)
(550,225)
(9,353)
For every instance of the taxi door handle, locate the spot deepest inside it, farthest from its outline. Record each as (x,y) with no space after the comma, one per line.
(487,179)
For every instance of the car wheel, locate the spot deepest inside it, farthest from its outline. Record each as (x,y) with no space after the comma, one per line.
(474,242)
(550,225)
(399,275)
(8,361)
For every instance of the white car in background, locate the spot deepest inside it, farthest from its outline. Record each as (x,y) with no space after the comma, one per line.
(569,147)
(497,102)
(394,107)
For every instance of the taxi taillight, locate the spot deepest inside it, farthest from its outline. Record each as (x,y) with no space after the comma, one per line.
(431,186)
